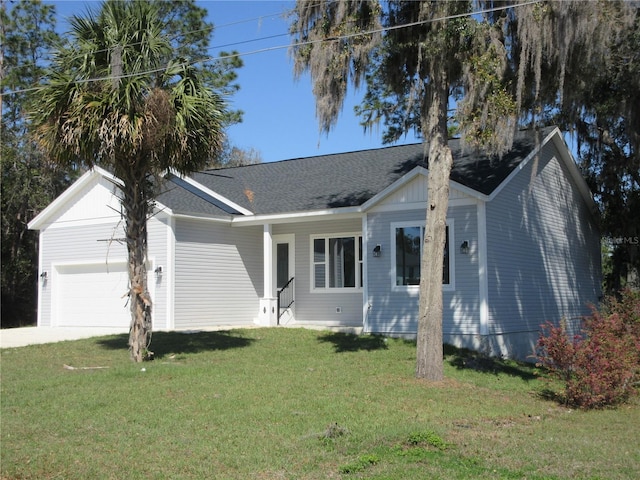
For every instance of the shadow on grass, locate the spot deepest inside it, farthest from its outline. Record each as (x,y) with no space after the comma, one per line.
(552,396)
(463,358)
(349,342)
(163,343)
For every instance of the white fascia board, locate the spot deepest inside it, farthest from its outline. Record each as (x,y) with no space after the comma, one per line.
(393,187)
(295,217)
(161,210)
(186,216)
(211,193)
(401,207)
(565,156)
(405,179)
(40,220)
(572,166)
(468,191)
(523,164)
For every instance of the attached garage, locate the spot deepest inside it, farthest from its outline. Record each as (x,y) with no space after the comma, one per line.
(84,280)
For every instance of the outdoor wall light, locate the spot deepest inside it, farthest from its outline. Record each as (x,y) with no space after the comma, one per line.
(464,248)
(158,271)
(43,276)
(377,251)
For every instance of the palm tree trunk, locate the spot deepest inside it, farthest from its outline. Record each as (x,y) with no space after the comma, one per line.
(135,203)
(429,364)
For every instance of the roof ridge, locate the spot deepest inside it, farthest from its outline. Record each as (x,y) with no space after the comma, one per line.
(364,150)
(312,157)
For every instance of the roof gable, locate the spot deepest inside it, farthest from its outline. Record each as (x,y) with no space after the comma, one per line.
(90,198)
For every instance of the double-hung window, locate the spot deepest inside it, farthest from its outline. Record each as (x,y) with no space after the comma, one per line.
(407,241)
(337,261)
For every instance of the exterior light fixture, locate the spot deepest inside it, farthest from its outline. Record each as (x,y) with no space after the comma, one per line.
(377,251)
(158,272)
(43,276)
(464,248)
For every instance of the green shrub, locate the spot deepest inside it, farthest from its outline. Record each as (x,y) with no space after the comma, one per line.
(600,365)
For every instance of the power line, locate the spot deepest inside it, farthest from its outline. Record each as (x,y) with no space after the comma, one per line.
(297,44)
(212,27)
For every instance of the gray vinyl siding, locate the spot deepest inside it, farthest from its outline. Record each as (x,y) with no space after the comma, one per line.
(218,274)
(543,249)
(75,245)
(463,304)
(319,308)
(394,310)
(88,244)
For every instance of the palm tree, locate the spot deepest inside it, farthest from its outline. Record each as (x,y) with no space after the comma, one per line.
(118,99)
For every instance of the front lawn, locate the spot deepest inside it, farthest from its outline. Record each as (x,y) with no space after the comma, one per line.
(292,404)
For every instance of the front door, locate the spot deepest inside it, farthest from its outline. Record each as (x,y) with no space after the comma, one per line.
(282,264)
(284,271)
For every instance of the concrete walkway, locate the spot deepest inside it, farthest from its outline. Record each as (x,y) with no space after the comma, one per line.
(20,337)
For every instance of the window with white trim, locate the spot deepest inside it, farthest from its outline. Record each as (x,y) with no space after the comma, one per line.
(407,241)
(337,262)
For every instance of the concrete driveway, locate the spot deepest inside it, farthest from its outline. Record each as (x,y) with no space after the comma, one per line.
(20,337)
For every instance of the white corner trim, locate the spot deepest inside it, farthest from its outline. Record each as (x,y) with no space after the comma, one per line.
(483,269)
(171,274)
(40,281)
(365,272)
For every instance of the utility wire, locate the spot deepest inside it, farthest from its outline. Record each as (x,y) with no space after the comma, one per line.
(213,27)
(296,44)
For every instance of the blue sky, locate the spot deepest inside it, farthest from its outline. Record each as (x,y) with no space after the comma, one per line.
(279,112)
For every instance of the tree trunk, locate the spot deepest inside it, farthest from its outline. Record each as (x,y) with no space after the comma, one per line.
(429,353)
(135,203)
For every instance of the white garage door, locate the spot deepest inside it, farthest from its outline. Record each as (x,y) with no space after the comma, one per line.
(92,295)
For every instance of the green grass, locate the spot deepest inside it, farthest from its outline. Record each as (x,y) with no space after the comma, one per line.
(292,404)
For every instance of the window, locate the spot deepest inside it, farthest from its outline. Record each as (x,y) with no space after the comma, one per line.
(408,248)
(337,262)
(407,242)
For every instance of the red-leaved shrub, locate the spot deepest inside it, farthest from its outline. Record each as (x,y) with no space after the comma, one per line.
(600,365)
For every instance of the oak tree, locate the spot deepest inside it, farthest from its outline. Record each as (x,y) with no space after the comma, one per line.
(504,64)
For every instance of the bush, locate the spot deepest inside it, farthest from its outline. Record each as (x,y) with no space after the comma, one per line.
(600,365)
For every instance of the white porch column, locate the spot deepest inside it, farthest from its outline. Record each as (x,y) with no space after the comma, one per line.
(268,315)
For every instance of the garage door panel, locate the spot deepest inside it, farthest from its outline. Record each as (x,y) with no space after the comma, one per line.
(92,295)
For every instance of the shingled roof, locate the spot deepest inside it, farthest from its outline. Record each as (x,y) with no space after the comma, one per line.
(337,180)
